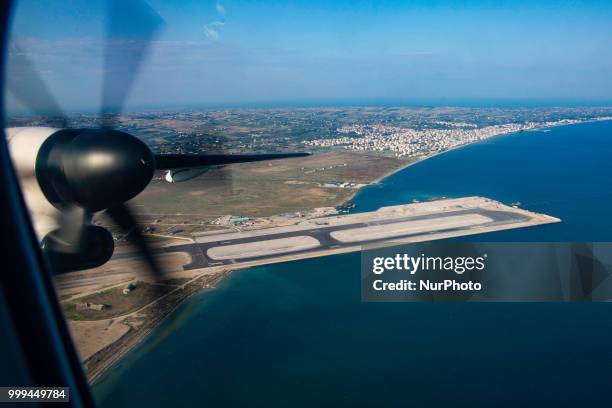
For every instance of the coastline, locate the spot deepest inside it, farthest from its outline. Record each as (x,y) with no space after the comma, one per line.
(117,351)
(423,158)
(101,362)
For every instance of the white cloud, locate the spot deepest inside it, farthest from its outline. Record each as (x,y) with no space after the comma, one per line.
(220,9)
(211,30)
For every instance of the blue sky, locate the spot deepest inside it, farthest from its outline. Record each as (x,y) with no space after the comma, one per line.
(249,52)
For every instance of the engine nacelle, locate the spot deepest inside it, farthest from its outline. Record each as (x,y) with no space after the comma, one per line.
(93,169)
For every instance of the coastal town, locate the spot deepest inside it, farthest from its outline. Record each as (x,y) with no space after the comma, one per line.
(398,131)
(404,142)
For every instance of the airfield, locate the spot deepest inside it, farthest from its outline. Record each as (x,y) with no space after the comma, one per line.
(214,251)
(347,233)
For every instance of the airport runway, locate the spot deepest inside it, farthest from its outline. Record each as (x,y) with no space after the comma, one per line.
(253,248)
(416,222)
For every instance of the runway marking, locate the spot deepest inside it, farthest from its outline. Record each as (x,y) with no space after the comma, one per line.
(263,248)
(394,230)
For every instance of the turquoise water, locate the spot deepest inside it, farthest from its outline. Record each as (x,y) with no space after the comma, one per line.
(296,334)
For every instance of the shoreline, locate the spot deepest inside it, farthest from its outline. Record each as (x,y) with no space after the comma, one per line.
(119,351)
(423,158)
(108,357)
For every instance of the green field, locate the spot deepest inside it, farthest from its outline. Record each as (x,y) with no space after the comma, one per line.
(120,304)
(258,190)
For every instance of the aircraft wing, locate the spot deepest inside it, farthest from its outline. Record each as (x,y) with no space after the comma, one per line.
(177,161)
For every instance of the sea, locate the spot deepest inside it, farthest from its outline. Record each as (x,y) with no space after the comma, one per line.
(296,334)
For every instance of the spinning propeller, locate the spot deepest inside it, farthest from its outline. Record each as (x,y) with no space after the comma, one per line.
(83,171)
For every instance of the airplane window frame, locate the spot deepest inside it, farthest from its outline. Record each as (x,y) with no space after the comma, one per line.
(26,281)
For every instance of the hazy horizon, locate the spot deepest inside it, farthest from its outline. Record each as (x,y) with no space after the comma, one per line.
(347,104)
(288,54)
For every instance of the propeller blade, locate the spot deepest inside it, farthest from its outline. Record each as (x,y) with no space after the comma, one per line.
(96,248)
(177,161)
(132,25)
(123,217)
(68,238)
(26,85)
(72,222)
(76,244)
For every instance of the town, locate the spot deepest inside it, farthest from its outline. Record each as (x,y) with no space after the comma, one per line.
(407,142)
